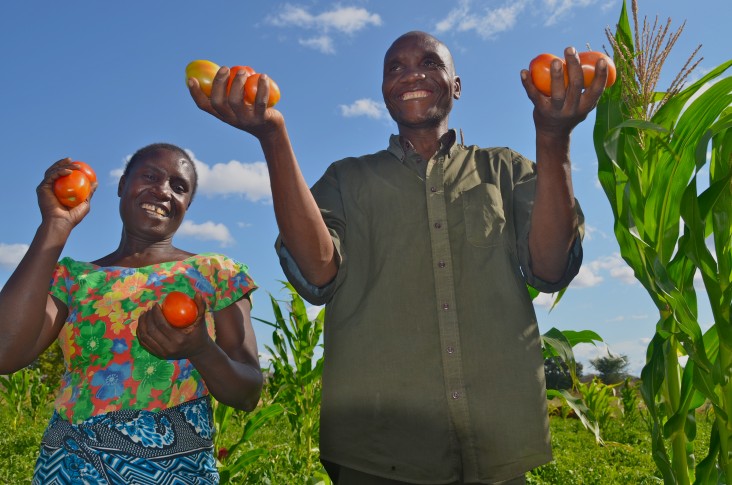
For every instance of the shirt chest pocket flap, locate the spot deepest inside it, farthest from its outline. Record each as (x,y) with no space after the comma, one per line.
(484,217)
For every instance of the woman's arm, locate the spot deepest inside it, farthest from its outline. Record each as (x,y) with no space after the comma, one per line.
(30,319)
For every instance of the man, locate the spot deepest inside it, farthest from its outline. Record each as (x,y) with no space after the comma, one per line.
(421,252)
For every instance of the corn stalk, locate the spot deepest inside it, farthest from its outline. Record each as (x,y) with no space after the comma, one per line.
(651,149)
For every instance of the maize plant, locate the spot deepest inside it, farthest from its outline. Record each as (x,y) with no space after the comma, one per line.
(671,226)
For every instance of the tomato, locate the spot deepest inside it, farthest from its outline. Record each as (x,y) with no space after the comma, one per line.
(179,309)
(74,188)
(541,74)
(232,74)
(86,170)
(250,90)
(204,71)
(588,60)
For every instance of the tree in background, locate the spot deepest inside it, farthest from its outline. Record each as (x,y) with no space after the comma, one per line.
(611,368)
(558,375)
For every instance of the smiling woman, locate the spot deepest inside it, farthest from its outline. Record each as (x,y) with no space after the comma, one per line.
(133,382)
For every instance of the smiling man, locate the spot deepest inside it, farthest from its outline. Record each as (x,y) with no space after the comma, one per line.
(422,252)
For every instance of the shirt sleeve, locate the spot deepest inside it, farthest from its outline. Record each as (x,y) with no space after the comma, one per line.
(231,281)
(524,174)
(60,286)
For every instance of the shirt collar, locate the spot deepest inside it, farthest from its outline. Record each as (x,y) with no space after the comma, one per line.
(401,147)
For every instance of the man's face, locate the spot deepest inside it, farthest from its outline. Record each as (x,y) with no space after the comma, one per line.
(419,82)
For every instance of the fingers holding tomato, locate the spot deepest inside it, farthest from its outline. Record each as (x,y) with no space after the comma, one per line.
(175,327)
(540,71)
(64,188)
(271,91)
(205,73)
(541,76)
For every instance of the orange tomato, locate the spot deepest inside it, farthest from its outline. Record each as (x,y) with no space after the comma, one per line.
(232,73)
(588,60)
(86,170)
(74,188)
(204,71)
(250,90)
(179,309)
(541,74)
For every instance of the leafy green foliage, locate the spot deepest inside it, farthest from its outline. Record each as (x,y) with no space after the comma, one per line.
(295,377)
(648,169)
(25,392)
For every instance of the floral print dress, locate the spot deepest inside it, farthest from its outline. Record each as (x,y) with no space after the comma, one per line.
(111,381)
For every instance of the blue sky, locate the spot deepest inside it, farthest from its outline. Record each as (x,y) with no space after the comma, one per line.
(97,80)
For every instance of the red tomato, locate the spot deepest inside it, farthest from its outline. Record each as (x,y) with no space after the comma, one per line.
(179,309)
(232,74)
(540,70)
(588,60)
(72,189)
(204,71)
(250,90)
(86,170)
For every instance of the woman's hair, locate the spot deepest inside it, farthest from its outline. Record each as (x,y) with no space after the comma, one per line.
(149,150)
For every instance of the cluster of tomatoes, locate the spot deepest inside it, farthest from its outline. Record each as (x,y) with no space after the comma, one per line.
(205,71)
(540,70)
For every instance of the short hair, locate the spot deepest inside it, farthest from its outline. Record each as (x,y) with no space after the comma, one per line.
(149,150)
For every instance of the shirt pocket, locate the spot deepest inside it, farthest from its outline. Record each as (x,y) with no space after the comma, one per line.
(484,217)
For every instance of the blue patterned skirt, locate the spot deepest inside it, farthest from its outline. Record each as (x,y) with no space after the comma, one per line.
(170,447)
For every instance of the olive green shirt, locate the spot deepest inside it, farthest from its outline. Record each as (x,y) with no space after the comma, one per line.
(433,365)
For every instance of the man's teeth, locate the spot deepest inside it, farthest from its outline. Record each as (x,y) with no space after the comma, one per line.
(156,209)
(414,94)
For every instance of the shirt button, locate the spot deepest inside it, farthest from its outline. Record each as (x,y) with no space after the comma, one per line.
(450,349)
(433,189)
(441,264)
(438,225)
(445,306)
(455,395)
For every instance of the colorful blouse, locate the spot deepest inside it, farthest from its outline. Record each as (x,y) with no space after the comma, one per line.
(106,367)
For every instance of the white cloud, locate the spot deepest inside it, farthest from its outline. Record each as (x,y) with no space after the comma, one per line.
(587,277)
(313,311)
(545,300)
(365,107)
(343,20)
(487,24)
(207,231)
(250,180)
(323,44)
(470,15)
(558,9)
(11,254)
(616,266)
(347,20)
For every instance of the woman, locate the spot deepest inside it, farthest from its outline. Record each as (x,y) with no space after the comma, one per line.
(133,405)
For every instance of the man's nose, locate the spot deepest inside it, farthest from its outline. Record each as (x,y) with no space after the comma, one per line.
(415,73)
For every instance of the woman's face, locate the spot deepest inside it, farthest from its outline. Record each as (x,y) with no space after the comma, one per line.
(156,193)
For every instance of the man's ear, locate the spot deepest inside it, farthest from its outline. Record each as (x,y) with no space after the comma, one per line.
(120,185)
(458,87)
